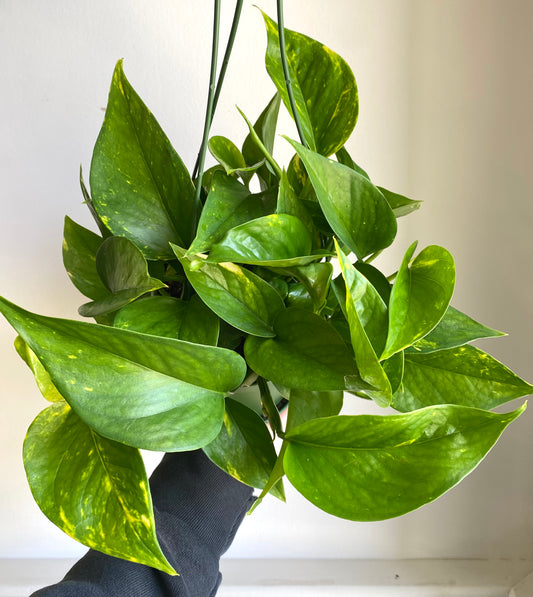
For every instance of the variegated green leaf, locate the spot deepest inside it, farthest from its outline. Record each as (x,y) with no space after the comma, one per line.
(92,488)
(323,85)
(140,187)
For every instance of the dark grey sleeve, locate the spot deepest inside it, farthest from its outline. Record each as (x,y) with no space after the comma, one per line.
(198,509)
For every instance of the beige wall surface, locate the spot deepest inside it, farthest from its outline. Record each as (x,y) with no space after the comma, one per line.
(446,90)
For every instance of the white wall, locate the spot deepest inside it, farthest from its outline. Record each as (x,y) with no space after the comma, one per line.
(445,92)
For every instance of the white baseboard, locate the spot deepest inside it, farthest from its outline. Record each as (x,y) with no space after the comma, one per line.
(310,578)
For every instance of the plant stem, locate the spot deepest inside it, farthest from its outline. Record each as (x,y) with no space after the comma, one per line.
(208,116)
(269,408)
(285,66)
(223,68)
(373,256)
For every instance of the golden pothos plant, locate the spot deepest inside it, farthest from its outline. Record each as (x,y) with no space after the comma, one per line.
(252,278)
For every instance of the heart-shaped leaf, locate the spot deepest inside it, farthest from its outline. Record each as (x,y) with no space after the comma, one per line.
(307,353)
(170,317)
(354,208)
(420,296)
(79,258)
(235,294)
(124,272)
(273,240)
(145,391)
(347,465)
(454,329)
(462,375)
(244,448)
(92,488)
(137,177)
(323,85)
(228,204)
(226,153)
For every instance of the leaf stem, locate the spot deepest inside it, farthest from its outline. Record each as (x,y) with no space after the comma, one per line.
(285,67)
(224,67)
(269,408)
(208,116)
(371,258)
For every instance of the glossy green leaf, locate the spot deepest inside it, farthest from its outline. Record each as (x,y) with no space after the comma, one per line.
(79,258)
(228,204)
(146,391)
(124,272)
(367,467)
(400,205)
(394,369)
(244,448)
(366,314)
(376,278)
(92,488)
(323,85)
(454,329)
(275,240)
(316,279)
(170,317)
(235,294)
(42,378)
(355,209)
(462,375)
(305,405)
(307,353)
(371,310)
(289,203)
(226,153)
(420,296)
(343,157)
(265,128)
(140,187)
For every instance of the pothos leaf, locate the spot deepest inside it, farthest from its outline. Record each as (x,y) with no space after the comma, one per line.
(42,378)
(170,317)
(347,465)
(244,448)
(363,304)
(265,127)
(420,296)
(145,391)
(137,177)
(400,205)
(323,85)
(307,353)
(305,405)
(124,272)
(80,246)
(461,375)
(226,153)
(354,208)
(228,204)
(92,488)
(235,294)
(454,329)
(276,239)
